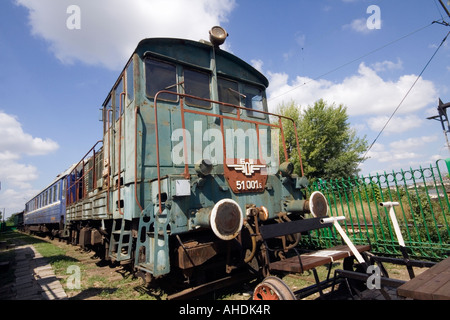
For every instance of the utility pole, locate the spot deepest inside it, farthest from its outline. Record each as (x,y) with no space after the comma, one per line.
(443,118)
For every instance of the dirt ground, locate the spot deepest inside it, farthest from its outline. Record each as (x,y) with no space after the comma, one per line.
(109,282)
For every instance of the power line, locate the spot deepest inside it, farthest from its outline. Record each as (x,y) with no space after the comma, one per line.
(445,8)
(352,61)
(407,93)
(439,11)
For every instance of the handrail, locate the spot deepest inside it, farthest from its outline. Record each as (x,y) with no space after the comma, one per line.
(222,117)
(108,197)
(120,150)
(75,183)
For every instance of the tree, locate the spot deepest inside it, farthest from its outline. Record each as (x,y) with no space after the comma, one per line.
(329,147)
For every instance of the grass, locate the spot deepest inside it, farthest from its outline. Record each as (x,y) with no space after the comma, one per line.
(95,281)
(10,237)
(113,283)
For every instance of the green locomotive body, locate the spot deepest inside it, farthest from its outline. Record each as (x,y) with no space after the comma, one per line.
(188,166)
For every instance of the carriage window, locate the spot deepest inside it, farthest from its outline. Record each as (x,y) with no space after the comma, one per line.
(228,93)
(130,89)
(160,76)
(197,84)
(254,100)
(63,190)
(119,103)
(55,193)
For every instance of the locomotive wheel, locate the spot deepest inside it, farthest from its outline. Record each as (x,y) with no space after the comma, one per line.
(273,288)
(350,264)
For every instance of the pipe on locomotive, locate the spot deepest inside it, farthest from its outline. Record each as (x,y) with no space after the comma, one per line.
(317,205)
(225,219)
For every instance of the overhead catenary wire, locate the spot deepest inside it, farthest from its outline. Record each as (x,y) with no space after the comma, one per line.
(439,11)
(406,95)
(445,8)
(352,61)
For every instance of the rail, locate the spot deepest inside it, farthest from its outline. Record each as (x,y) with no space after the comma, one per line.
(222,117)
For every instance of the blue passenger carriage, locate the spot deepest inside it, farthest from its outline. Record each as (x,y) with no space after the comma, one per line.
(45,212)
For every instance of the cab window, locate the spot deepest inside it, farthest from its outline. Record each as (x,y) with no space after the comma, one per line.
(130,87)
(228,93)
(160,76)
(254,100)
(107,114)
(197,84)
(118,99)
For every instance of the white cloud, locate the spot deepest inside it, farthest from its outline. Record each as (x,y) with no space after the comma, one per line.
(364,93)
(14,141)
(358,25)
(13,200)
(257,64)
(382,154)
(16,177)
(396,124)
(401,154)
(387,65)
(391,160)
(110,29)
(412,143)
(17,174)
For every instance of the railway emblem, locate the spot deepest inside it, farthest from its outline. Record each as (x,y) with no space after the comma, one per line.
(247,167)
(246,175)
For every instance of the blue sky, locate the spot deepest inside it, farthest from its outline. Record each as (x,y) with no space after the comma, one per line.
(54,78)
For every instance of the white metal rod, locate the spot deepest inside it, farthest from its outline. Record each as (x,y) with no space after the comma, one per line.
(348,242)
(331,219)
(396,227)
(344,236)
(394,220)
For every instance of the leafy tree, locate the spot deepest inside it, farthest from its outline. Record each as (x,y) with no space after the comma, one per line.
(329,147)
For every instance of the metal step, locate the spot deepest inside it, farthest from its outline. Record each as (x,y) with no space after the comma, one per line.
(118,241)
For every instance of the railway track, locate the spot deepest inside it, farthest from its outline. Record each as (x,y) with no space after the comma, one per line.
(114,281)
(100,281)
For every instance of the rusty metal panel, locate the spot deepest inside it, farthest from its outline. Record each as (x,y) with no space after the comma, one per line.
(96,237)
(194,254)
(85,237)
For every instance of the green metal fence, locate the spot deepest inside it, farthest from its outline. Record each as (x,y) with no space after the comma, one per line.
(423,211)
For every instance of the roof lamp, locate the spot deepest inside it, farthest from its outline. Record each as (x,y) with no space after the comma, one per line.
(217,35)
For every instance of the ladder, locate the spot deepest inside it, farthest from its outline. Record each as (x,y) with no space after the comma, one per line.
(121,242)
(152,246)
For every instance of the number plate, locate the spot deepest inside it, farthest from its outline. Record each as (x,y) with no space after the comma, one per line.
(246,175)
